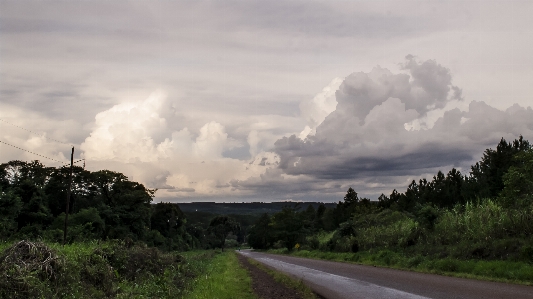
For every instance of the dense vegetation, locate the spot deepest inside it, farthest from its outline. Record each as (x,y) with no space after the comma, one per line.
(94,270)
(103,205)
(119,244)
(485,215)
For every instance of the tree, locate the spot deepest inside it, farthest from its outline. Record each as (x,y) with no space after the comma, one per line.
(344,210)
(260,236)
(288,226)
(10,207)
(124,205)
(351,196)
(486,177)
(169,220)
(221,227)
(518,180)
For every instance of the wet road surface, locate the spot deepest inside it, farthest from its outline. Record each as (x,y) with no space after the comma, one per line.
(334,280)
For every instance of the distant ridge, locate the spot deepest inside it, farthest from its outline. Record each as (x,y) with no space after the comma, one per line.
(247,207)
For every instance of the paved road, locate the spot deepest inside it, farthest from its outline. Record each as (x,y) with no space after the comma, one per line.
(334,280)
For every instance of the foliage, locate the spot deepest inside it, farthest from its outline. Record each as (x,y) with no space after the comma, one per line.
(518,180)
(288,226)
(486,176)
(260,236)
(221,227)
(91,270)
(104,205)
(485,222)
(10,207)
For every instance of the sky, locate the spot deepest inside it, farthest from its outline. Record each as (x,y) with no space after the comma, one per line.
(265,100)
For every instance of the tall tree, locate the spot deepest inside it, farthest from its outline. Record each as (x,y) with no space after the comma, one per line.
(486,176)
(221,227)
(288,226)
(260,236)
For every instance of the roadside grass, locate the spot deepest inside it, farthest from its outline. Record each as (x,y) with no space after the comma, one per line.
(492,270)
(222,278)
(287,280)
(93,270)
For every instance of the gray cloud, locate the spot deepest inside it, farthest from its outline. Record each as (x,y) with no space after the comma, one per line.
(366,137)
(248,66)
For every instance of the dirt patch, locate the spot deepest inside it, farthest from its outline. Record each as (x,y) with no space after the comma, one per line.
(264,285)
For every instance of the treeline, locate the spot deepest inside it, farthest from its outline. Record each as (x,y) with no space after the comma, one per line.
(103,205)
(487,213)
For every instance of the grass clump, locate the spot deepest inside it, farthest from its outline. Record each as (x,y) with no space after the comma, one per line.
(222,278)
(26,268)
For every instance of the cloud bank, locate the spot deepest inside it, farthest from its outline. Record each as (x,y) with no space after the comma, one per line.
(380,134)
(374,131)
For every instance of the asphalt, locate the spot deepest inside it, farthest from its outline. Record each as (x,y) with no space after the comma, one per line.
(335,280)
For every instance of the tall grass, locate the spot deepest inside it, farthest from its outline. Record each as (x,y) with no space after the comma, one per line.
(483,221)
(400,233)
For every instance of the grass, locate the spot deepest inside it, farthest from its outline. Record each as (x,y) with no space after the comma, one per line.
(495,270)
(93,270)
(222,278)
(287,280)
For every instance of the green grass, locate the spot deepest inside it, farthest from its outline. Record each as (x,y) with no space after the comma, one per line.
(222,278)
(99,270)
(495,270)
(288,281)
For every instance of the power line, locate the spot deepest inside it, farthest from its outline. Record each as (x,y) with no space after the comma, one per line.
(42,135)
(33,152)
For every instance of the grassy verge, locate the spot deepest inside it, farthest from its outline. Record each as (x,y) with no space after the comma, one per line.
(222,278)
(91,270)
(287,280)
(495,270)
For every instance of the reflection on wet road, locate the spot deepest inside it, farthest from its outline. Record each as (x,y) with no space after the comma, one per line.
(334,280)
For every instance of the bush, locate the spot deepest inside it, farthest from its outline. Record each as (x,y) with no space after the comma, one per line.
(25,268)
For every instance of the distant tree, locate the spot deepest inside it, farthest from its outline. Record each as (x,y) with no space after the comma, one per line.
(169,220)
(344,209)
(351,197)
(288,226)
(309,218)
(486,177)
(260,236)
(319,218)
(221,227)
(384,201)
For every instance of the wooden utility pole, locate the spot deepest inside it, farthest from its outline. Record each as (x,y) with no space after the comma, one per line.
(67,202)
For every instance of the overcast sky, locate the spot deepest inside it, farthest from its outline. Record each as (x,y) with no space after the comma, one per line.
(265,100)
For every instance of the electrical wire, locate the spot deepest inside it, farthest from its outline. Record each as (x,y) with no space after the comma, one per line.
(42,135)
(31,152)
